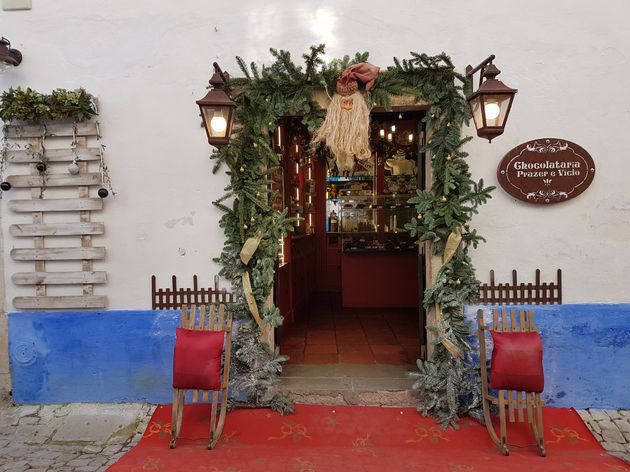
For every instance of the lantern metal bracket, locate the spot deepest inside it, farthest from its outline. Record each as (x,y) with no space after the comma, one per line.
(10,56)
(483,67)
(218,70)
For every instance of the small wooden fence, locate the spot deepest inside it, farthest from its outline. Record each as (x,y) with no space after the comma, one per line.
(536,293)
(174,298)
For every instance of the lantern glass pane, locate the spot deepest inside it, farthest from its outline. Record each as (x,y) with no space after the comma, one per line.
(217,120)
(475,108)
(496,107)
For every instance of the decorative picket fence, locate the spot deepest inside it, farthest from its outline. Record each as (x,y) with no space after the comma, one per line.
(516,293)
(174,298)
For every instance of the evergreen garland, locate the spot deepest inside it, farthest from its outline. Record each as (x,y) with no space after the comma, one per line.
(448,385)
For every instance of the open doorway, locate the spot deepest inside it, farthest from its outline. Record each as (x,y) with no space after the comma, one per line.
(350,279)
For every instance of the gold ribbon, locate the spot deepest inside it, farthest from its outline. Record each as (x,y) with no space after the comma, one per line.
(251,303)
(447,343)
(452,243)
(247,251)
(451,347)
(249,248)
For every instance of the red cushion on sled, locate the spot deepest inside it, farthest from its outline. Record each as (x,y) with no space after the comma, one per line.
(517,362)
(197,359)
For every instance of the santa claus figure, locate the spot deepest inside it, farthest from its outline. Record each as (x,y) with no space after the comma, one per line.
(346,127)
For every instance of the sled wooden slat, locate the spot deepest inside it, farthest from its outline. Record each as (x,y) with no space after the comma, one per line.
(510,398)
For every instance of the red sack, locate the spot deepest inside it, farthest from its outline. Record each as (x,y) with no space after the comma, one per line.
(197,359)
(517,362)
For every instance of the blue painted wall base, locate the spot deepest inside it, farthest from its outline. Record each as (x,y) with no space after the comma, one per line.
(127,356)
(102,356)
(586,353)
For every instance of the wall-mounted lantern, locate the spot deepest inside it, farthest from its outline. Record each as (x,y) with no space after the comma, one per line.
(217,110)
(8,57)
(491,103)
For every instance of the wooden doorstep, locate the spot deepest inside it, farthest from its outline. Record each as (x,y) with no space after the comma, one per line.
(82,301)
(59,278)
(51,130)
(24,156)
(54,180)
(57,253)
(57,229)
(56,204)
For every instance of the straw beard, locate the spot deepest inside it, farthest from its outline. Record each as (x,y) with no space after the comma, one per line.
(346,130)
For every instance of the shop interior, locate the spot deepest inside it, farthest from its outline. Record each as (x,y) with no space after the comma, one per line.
(350,277)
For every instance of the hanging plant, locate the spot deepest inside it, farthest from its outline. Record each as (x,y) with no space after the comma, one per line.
(31,107)
(77,105)
(34,107)
(448,384)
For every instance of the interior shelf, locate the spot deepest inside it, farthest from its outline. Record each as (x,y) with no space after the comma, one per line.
(354,178)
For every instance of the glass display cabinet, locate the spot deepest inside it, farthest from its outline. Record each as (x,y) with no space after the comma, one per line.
(376,224)
(341,189)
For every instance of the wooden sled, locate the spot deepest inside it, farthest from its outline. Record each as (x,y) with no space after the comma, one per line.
(212,318)
(511,403)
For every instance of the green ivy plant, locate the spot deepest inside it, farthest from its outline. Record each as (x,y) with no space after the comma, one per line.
(448,386)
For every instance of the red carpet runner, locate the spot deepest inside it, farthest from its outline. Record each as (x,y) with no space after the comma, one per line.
(328,439)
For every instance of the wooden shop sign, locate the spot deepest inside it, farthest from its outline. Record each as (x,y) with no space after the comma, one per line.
(546,170)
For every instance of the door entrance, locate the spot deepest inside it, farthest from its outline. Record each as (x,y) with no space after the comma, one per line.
(350,279)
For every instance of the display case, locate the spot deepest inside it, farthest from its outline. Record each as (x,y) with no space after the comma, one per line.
(375,224)
(340,189)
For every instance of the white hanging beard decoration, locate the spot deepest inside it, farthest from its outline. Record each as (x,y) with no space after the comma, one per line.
(346,127)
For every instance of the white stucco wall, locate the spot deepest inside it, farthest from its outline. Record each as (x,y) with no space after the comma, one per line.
(148,61)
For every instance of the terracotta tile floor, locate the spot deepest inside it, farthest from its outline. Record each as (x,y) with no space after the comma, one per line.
(330,334)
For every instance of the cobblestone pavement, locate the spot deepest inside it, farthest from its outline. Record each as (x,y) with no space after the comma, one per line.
(55,438)
(44,438)
(611,428)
